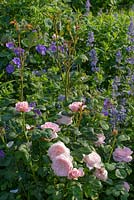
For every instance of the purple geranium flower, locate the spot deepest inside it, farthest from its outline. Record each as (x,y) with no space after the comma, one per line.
(19,51)
(10,45)
(53,47)
(10,69)
(17,61)
(41,49)
(2,154)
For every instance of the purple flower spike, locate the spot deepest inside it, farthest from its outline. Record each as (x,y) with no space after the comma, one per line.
(2,154)
(130,61)
(41,49)
(10,69)
(17,61)
(10,45)
(88,5)
(118,56)
(94,59)
(90,38)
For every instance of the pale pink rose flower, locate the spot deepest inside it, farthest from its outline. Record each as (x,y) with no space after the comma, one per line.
(76,106)
(126,186)
(92,160)
(57,149)
(64,120)
(62,164)
(22,106)
(75,173)
(54,127)
(101,174)
(122,154)
(100,140)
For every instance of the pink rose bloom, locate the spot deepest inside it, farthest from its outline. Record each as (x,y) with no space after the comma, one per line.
(122,154)
(100,140)
(126,186)
(92,160)
(75,106)
(22,106)
(64,120)
(101,174)
(57,149)
(75,173)
(54,127)
(62,164)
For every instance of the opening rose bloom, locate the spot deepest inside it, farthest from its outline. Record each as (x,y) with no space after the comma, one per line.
(22,106)
(57,149)
(100,140)
(122,154)
(64,120)
(62,164)
(101,174)
(76,106)
(54,127)
(75,173)
(92,160)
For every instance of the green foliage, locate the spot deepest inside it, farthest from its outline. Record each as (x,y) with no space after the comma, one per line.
(50,82)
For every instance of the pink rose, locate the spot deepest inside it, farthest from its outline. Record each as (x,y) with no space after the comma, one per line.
(92,160)
(101,174)
(58,149)
(54,127)
(64,120)
(62,164)
(122,154)
(126,186)
(76,106)
(22,106)
(75,173)
(100,140)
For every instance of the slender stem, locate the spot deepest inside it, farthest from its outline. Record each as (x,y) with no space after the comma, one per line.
(113,145)
(80,117)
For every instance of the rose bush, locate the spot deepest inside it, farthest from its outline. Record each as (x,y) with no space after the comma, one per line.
(74,139)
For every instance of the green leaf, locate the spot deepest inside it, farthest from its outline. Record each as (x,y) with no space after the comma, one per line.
(120,173)
(122,138)
(104,125)
(110,166)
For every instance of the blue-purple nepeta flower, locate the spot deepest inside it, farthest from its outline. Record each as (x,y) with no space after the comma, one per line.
(107,103)
(93,56)
(41,49)
(132,78)
(131,28)
(61,97)
(32,104)
(17,61)
(36,73)
(2,154)
(90,39)
(130,48)
(37,112)
(118,56)
(105,112)
(130,61)
(10,45)
(10,69)
(88,5)
(19,51)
